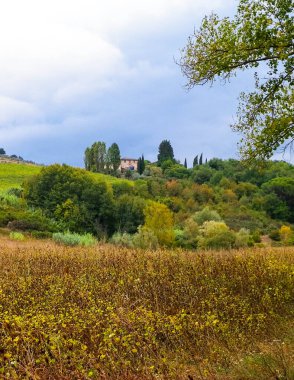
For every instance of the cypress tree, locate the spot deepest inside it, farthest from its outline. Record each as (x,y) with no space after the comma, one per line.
(165,152)
(200,159)
(195,161)
(143,164)
(185,163)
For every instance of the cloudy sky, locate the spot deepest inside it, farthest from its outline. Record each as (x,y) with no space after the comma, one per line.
(77,71)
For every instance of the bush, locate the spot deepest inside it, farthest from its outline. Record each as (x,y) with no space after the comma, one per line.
(16,236)
(242,238)
(274,235)
(122,239)
(11,199)
(145,239)
(72,239)
(206,215)
(41,234)
(216,235)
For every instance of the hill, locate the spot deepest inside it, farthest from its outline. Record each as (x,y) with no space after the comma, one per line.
(12,175)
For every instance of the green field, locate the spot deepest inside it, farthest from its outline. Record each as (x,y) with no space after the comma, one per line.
(13,175)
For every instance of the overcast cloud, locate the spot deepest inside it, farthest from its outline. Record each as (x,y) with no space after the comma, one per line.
(74,72)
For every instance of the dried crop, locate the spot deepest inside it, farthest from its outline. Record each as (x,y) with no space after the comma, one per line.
(113,313)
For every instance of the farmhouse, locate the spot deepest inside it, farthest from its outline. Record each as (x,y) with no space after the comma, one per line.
(128,164)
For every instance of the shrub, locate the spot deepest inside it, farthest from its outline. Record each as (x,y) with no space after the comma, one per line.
(16,236)
(206,215)
(274,235)
(11,199)
(242,238)
(145,238)
(72,239)
(122,239)
(216,235)
(41,234)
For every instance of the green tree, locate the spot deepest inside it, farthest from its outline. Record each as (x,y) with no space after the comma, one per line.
(159,220)
(73,197)
(165,152)
(185,163)
(2,151)
(88,159)
(95,157)
(141,165)
(201,159)
(195,161)
(262,31)
(99,156)
(113,157)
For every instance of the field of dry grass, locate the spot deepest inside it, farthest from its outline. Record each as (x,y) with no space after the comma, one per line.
(113,313)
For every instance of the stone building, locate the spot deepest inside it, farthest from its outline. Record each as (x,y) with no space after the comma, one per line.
(128,164)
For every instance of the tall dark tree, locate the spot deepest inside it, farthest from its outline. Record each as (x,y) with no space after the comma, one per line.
(185,163)
(2,151)
(141,165)
(165,152)
(195,161)
(201,159)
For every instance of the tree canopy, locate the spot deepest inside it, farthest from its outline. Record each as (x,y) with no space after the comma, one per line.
(261,33)
(165,152)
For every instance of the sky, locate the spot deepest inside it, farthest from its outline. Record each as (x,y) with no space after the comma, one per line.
(73,72)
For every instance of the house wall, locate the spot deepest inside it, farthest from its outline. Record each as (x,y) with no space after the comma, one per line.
(126,163)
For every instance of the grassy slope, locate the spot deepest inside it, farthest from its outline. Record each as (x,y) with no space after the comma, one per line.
(13,175)
(111,313)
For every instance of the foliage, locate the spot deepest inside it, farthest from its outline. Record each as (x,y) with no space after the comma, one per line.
(141,165)
(206,215)
(145,238)
(202,174)
(113,158)
(2,151)
(95,157)
(114,313)
(165,152)
(16,236)
(242,238)
(122,239)
(177,171)
(285,232)
(283,188)
(129,213)
(72,197)
(71,239)
(159,220)
(216,235)
(195,161)
(260,33)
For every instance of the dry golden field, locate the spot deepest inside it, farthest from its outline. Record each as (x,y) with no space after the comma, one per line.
(110,313)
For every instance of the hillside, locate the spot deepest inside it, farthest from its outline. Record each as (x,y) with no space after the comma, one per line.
(12,174)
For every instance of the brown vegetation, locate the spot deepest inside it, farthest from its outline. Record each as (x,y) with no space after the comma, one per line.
(109,313)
